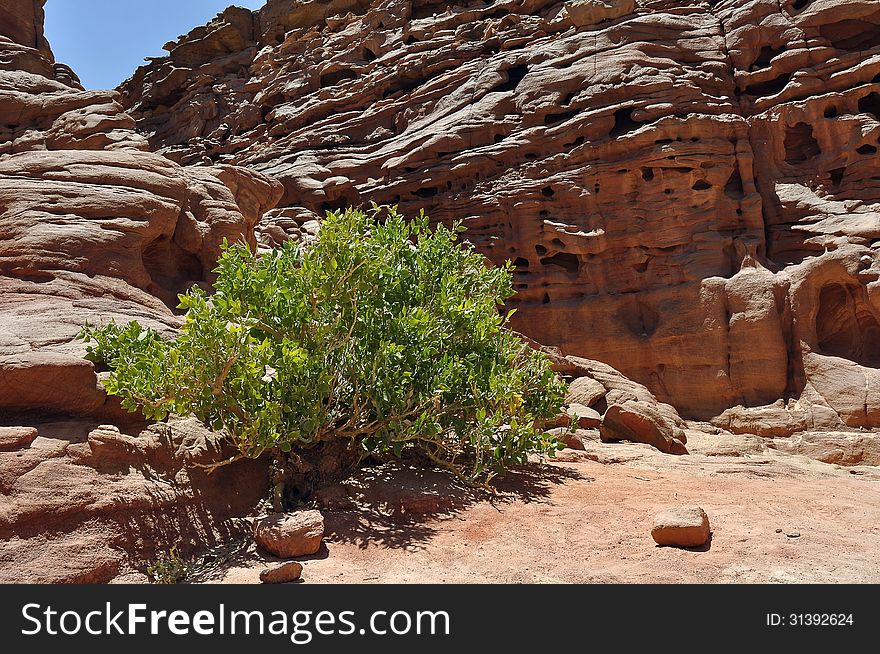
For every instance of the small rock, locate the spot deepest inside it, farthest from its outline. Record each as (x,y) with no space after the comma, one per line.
(282,573)
(16,438)
(289,535)
(569,455)
(681,526)
(778,531)
(793,534)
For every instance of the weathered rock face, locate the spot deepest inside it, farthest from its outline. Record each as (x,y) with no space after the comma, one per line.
(22,22)
(86,503)
(93,227)
(690,191)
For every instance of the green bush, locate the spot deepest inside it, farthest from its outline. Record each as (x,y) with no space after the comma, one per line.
(168,569)
(383,332)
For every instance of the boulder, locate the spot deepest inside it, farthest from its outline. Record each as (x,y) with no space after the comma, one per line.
(681,526)
(585,391)
(641,422)
(289,535)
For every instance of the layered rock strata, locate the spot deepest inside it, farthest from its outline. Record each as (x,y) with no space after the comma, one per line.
(93,228)
(690,191)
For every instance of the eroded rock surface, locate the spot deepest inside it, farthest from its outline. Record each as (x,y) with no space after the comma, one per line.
(689,191)
(93,228)
(86,503)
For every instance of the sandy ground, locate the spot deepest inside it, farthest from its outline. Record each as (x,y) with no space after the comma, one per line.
(587,519)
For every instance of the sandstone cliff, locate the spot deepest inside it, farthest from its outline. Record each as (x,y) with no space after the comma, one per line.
(690,190)
(94,227)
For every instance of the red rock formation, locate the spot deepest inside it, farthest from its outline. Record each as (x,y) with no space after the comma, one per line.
(689,191)
(93,227)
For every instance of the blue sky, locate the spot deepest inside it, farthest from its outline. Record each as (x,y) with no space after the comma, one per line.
(104,41)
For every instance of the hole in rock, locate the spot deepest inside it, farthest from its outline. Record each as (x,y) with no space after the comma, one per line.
(831,112)
(640,319)
(579,141)
(837,175)
(548,192)
(846,327)
(369,55)
(427,192)
(800,146)
(623,123)
(701,185)
(171,267)
(867,148)
(566,260)
(515,75)
(498,138)
(541,250)
(521,262)
(555,119)
(339,204)
(770,87)
(734,187)
(33,276)
(334,78)
(647,174)
(410,40)
(766,55)
(800,4)
(870,104)
(546,299)
(405,85)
